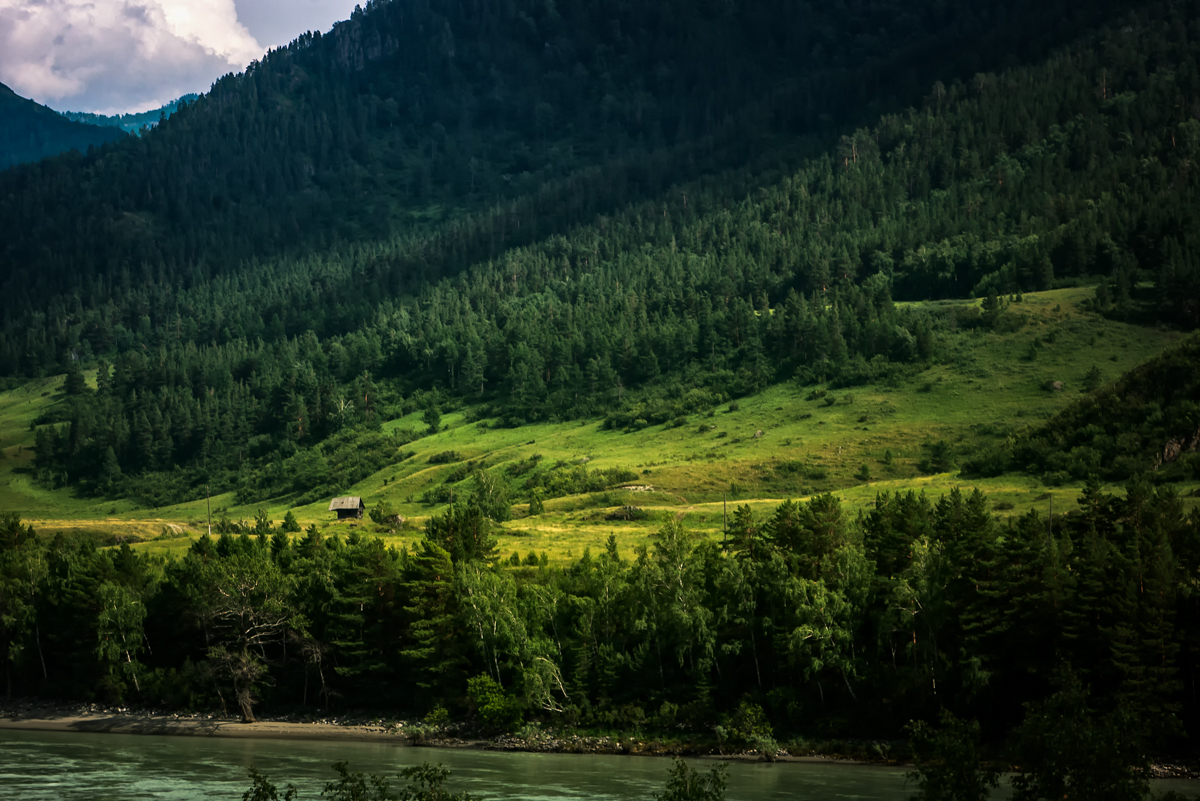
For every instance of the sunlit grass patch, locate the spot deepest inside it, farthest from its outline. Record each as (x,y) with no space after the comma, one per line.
(983,387)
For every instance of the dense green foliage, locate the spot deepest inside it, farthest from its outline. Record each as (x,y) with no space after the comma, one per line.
(637,212)
(581,227)
(1064,749)
(1067,750)
(948,761)
(30,131)
(425,783)
(410,104)
(808,621)
(685,784)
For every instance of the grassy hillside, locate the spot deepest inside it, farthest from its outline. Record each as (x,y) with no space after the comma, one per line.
(678,290)
(724,331)
(989,386)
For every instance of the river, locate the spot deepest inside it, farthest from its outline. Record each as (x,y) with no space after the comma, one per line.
(36,765)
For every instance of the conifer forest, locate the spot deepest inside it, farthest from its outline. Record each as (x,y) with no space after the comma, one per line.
(633,219)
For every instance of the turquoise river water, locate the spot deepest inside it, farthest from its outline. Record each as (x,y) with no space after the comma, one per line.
(67,766)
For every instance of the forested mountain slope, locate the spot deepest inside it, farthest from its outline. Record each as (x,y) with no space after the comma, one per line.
(415,108)
(565,230)
(30,131)
(1008,181)
(131,122)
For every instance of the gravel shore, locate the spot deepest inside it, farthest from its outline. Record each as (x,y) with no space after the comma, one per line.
(93,718)
(90,718)
(97,719)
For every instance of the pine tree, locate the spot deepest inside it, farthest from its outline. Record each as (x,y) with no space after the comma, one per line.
(110,471)
(75,384)
(430,645)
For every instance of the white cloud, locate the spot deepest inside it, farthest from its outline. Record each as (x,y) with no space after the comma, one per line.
(214,25)
(111,56)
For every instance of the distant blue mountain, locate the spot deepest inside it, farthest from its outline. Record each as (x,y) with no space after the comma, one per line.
(131,123)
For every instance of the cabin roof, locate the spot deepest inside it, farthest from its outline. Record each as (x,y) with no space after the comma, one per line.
(347,502)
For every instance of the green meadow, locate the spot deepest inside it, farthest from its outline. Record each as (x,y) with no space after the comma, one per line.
(790,441)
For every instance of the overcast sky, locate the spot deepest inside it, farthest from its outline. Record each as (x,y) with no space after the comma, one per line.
(113,56)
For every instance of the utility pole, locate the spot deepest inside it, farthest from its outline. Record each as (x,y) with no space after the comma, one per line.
(208,503)
(725,519)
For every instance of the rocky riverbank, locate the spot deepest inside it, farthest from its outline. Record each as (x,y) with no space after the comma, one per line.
(96,718)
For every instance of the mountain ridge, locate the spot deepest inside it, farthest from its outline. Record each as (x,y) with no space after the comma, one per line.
(306,160)
(131,122)
(30,131)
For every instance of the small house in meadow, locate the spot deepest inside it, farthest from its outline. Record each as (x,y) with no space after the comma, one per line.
(350,507)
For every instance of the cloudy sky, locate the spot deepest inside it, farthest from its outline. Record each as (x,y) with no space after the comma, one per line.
(113,56)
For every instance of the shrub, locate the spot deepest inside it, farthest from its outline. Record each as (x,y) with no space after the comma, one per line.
(498,711)
(987,462)
(382,514)
(433,419)
(438,716)
(1055,478)
(436,495)
(938,458)
(536,506)
(748,726)
(686,784)
(565,479)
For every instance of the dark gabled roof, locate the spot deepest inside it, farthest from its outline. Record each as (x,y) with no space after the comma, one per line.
(348,502)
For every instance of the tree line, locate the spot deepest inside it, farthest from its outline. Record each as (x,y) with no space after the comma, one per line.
(806,620)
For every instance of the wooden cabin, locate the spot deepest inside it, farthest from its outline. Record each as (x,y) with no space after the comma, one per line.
(350,507)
